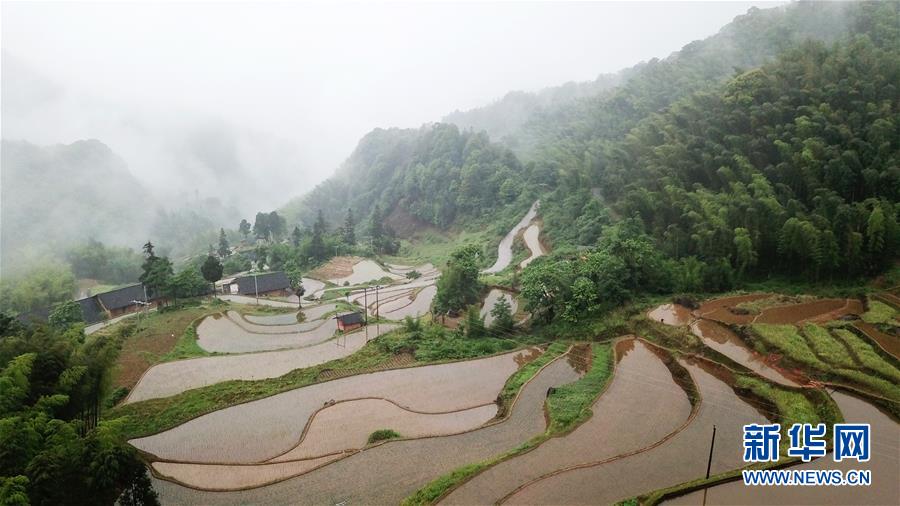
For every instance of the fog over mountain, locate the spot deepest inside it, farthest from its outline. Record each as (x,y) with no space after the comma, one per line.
(222,110)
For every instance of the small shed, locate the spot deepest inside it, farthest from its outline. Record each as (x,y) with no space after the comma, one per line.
(349,321)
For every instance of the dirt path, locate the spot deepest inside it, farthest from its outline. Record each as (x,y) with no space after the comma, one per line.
(171,378)
(642,405)
(388,473)
(681,458)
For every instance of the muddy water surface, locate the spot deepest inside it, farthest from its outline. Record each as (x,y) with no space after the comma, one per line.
(263,429)
(671,314)
(641,406)
(531,236)
(418,307)
(386,474)
(231,477)
(366,270)
(504,249)
(680,458)
(885,466)
(726,342)
(224,335)
(170,378)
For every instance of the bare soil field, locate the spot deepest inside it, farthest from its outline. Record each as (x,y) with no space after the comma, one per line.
(170,378)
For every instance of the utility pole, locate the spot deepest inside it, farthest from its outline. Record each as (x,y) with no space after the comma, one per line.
(712,445)
(256,288)
(377,320)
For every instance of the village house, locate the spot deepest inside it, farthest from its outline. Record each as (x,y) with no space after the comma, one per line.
(268,283)
(115,303)
(349,321)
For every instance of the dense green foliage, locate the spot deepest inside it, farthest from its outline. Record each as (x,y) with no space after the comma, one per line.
(108,264)
(37,291)
(53,447)
(458,285)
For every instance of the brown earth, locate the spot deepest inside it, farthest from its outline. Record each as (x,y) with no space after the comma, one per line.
(720,309)
(815,311)
(406,225)
(888,343)
(337,267)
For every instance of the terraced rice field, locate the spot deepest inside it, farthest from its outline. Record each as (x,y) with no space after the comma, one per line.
(504,249)
(171,378)
(243,299)
(286,319)
(671,314)
(387,473)
(884,464)
(680,458)
(531,236)
(887,342)
(642,405)
(363,271)
(416,307)
(492,297)
(726,342)
(222,334)
(266,428)
(265,328)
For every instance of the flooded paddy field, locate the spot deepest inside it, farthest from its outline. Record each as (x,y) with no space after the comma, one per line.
(884,464)
(223,335)
(531,236)
(418,306)
(270,328)
(671,314)
(680,458)
(492,297)
(286,319)
(726,342)
(504,249)
(266,428)
(387,473)
(250,301)
(171,378)
(363,271)
(642,405)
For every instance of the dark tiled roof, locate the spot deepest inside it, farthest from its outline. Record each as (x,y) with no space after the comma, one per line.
(91,310)
(268,282)
(350,318)
(121,298)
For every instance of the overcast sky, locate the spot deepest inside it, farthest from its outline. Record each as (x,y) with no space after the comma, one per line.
(311,78)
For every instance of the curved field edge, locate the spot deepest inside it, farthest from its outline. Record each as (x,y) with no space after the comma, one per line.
(567,407)
(345,454)
(791,405)
(152,416)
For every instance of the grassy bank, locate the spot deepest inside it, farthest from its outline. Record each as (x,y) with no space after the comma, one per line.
(567,407)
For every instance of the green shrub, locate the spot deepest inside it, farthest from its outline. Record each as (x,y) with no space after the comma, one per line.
(382,435)
(879,312)
(827,347)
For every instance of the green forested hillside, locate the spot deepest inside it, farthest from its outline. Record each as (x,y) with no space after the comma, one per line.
(436,173)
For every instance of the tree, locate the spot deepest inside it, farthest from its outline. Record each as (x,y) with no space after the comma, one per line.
(348,234)
(223,250)
(317,245)
(244,228)
(188,283)
(66,314)
(212,270)
(157,272)
(474,323)
(261,226)
(744,254)
(277,225)
(295,277)
(296,235)
(502,314)
(458,285)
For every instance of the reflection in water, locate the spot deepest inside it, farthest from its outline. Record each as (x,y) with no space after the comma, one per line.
(671,314)
(527,356)
(580,358)
(726,342)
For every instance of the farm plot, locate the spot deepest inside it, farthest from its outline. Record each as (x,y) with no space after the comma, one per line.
(726,342)
(813,311)
(642,405)
(884,464)
(671,314)
(504,249)
(417,306)
(363,271)
(678,459)
(243,299)
(223,335)
(171,378)
(387,473)
(260,430)
(531,236)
